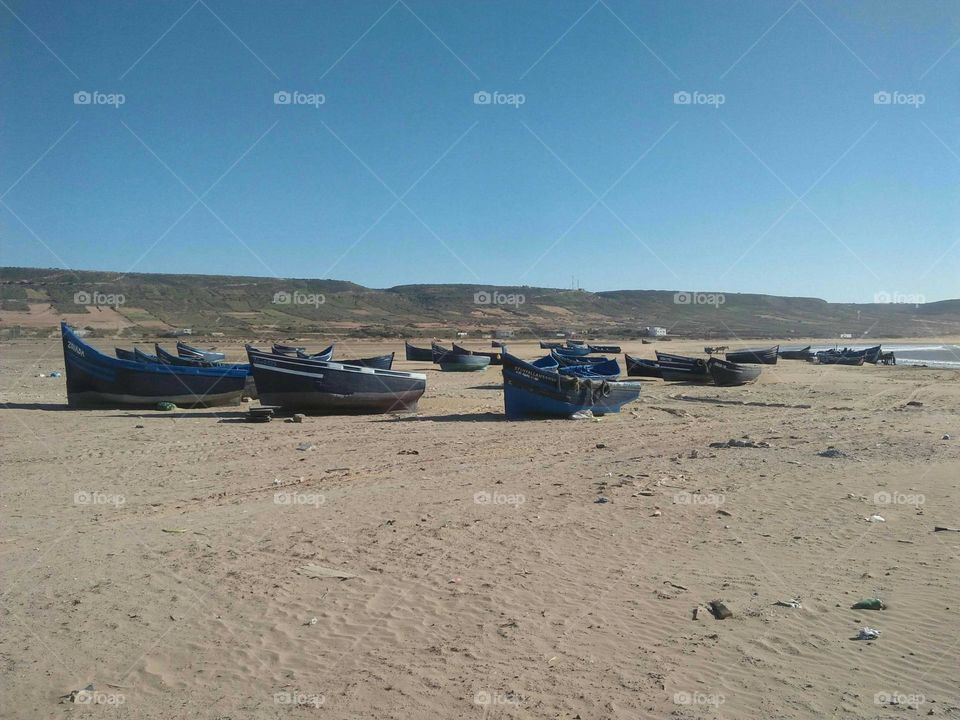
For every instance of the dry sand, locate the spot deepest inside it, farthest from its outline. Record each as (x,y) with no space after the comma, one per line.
(538,603)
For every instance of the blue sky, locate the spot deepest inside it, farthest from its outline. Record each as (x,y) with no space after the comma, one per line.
(799,183)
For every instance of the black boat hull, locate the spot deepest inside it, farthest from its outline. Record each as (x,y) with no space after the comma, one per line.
(767,356)
(418,354)
(639,367)
(728,374)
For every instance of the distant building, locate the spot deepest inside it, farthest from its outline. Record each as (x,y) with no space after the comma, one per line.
(461,334)
(503,333)
(846,336)
(180,332)
(654,331)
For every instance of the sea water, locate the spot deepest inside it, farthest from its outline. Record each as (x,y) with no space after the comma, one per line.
(932,355)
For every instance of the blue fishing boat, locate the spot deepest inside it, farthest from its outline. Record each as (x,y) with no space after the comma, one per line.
(612,349)
(606,370)
(381,362)
(125,354)
(576,351)
(417,354)
(96,379)
(530,391)
(279,349)
(316,386)
(170,359)
(569,360)
(576,343)
(547,362)
(550,345)
(141,356)
(188,351)
(641,367)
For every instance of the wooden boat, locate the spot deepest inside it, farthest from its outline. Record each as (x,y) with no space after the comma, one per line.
(572,351)
(680,368)
(547,362)
(767,356)
(495,357)
(726,373)
(125,354)
(325,355)
(188,351)
(676,359)
(381,362)
(639,367)
(576,343)
(279,349)
(317,386)
(458,362)
(140,356)
(496,344)
(170,359)
(801,354)
(606,370)
(417,354)
(612,349)
(530,391)
(568,360)
(96,379)
(830,359)
(550,345)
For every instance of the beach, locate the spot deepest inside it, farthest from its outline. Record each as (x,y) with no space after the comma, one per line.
(181,562)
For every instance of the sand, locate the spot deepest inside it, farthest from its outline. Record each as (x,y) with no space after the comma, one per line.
(159,556)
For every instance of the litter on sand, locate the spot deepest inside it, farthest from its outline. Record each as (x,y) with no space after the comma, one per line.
(867,633)
(876,518)
(795,603)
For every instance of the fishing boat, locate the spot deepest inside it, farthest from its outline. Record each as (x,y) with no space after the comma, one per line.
(381,362)
(695,372)
(530,391)
(612,349)
(279,349)
(96,379)
(496,344)
(325,355)
(550,345)
(458,362)
(568,360)
(140,356)
(576,343)
(676,359)
(495,357)
(831,359)
(801,354)
(547,362)
(317,386)
(606,370)
(574,351)
(125,354)
(766,356)
(417,354)
(170,359)
(188,351)
(639,367)
(726,373)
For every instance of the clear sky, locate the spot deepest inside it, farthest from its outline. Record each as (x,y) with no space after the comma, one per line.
(783,175)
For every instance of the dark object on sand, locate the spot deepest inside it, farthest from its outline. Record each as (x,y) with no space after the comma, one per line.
(640,367)
(719,610)
(726,373)
(766,356)
(801,354)
(416,353)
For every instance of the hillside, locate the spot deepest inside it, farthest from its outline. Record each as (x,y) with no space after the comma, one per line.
(33,301)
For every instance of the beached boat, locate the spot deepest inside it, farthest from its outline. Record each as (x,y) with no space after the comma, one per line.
(141,356)
(547,362)
(676,359)
(765,356)
(568,360)
(458,362)
(495,357)
(125,354)
(640,367)
(279,349)
(381,362)
(695,372)
(168,358)
(324,355)
(530,391)
(496,343)
(612,349)
(832,359)
(188,351)
(801,354)
(416,353)
(96,379)
(607,370)
(574,351)
(550,345)
(316,386)
(726,373)
(576,343)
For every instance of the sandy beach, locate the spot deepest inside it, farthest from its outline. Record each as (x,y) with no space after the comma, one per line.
(542,569)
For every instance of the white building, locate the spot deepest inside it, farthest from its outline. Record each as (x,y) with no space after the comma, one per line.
(655,331)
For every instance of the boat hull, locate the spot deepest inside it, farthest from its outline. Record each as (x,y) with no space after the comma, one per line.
(639,367)
(418,354)
(463,363)
(319,387)
(728,374)
(766,356)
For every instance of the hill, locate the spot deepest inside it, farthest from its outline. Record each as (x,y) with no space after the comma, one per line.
(34,300)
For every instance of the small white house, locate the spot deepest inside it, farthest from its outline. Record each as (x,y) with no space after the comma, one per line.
(655,331)
(461,334)
(846,336)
